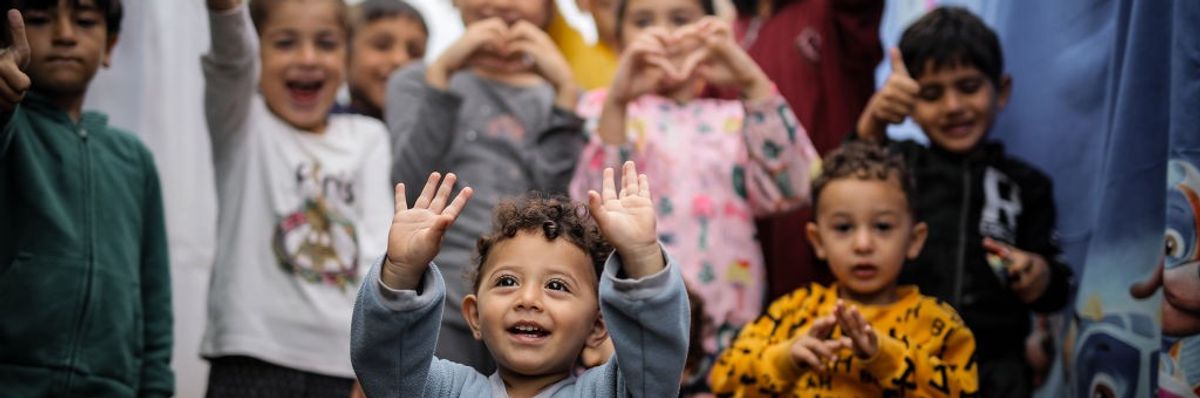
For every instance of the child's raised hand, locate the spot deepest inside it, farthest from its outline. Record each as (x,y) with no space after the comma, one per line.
(815,349)
(13,61)
(857,330)
(1028,273)
(643,67)
(721,61)
(627,221)
(416,233)
(893,102)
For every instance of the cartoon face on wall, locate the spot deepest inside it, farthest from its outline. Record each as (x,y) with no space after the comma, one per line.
(1178,271)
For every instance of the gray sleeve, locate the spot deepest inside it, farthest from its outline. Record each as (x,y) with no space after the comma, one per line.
(648,321)
(556,151)
(422,122)
(392,339)
(230,76)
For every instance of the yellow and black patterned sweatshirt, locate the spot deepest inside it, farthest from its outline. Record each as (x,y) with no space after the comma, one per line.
(925,350)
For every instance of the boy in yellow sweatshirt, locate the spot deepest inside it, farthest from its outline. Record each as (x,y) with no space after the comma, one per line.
(863,336)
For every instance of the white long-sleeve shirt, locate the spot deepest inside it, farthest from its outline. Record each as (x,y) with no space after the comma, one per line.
(299,216)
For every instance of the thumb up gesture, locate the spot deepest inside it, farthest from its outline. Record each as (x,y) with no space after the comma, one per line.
(892,103)
(13,61)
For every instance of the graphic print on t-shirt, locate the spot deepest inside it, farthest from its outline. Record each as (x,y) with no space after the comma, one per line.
(1001,207)
(316,241)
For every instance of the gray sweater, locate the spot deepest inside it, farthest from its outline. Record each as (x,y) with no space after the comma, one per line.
(394,333)
(501,140)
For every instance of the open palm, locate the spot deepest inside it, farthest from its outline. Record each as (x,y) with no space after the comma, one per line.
(416,233)
(626,217)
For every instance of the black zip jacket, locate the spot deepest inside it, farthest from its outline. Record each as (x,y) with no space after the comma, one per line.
(964,198)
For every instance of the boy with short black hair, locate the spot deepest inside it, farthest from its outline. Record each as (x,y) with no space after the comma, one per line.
(85,292)
(992,251)
(865,335)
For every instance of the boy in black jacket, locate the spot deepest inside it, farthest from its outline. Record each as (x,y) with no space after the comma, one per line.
(991,250)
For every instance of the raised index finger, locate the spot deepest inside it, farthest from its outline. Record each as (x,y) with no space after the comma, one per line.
(20,44)
(898,62)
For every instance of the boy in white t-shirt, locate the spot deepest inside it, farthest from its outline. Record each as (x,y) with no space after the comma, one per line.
(303,199)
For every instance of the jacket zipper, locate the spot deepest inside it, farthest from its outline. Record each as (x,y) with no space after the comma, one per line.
(89,227)
(962,236)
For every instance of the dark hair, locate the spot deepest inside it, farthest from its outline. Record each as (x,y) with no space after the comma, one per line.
(622,5)
(555,216)
(112,10)
(750,7)
(261,9)
(373,10)
(952,36)
(864,161)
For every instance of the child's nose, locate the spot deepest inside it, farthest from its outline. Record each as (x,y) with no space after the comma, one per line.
(953,100)
(64,31)
(530,298)
(863,242)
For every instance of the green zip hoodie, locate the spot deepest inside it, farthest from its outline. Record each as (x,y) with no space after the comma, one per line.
(85,290)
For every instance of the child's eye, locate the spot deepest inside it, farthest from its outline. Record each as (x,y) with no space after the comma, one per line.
(557,285)
(842,228)
(643,22)
(883,226)
(930,93)
(284,44)
(415,49)
(36,18)
(506,281)
(382,44)
(970,85)
(678,20)
(87,22)
(328,43)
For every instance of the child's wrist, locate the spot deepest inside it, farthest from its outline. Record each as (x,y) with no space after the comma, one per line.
(642,261)
(437,74)
(398,276)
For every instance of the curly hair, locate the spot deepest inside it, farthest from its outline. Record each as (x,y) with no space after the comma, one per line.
(555,216)
(864,161)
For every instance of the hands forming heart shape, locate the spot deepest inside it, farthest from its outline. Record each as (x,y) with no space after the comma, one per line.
(506,48)
(659,60)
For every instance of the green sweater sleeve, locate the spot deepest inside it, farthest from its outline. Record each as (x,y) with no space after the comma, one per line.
(157,379)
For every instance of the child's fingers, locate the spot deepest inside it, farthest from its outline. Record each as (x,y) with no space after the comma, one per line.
(427,192)
(443,194)
(609,185)
(822,327)
(401,198)
(998,248)
(596,208)
(8,92)
(818,347)
(643,186)
(460,201)
(629,184)
(803,355)
(20,44)
(897,61)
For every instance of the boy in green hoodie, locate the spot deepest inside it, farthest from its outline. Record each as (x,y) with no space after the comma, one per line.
(85,291)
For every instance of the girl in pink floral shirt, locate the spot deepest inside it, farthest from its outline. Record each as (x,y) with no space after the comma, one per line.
(714,164)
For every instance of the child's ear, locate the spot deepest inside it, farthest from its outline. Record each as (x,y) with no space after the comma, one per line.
(108,50)
(599,333)
(470,312)
(919,233)
(814,238)
(1003,92)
